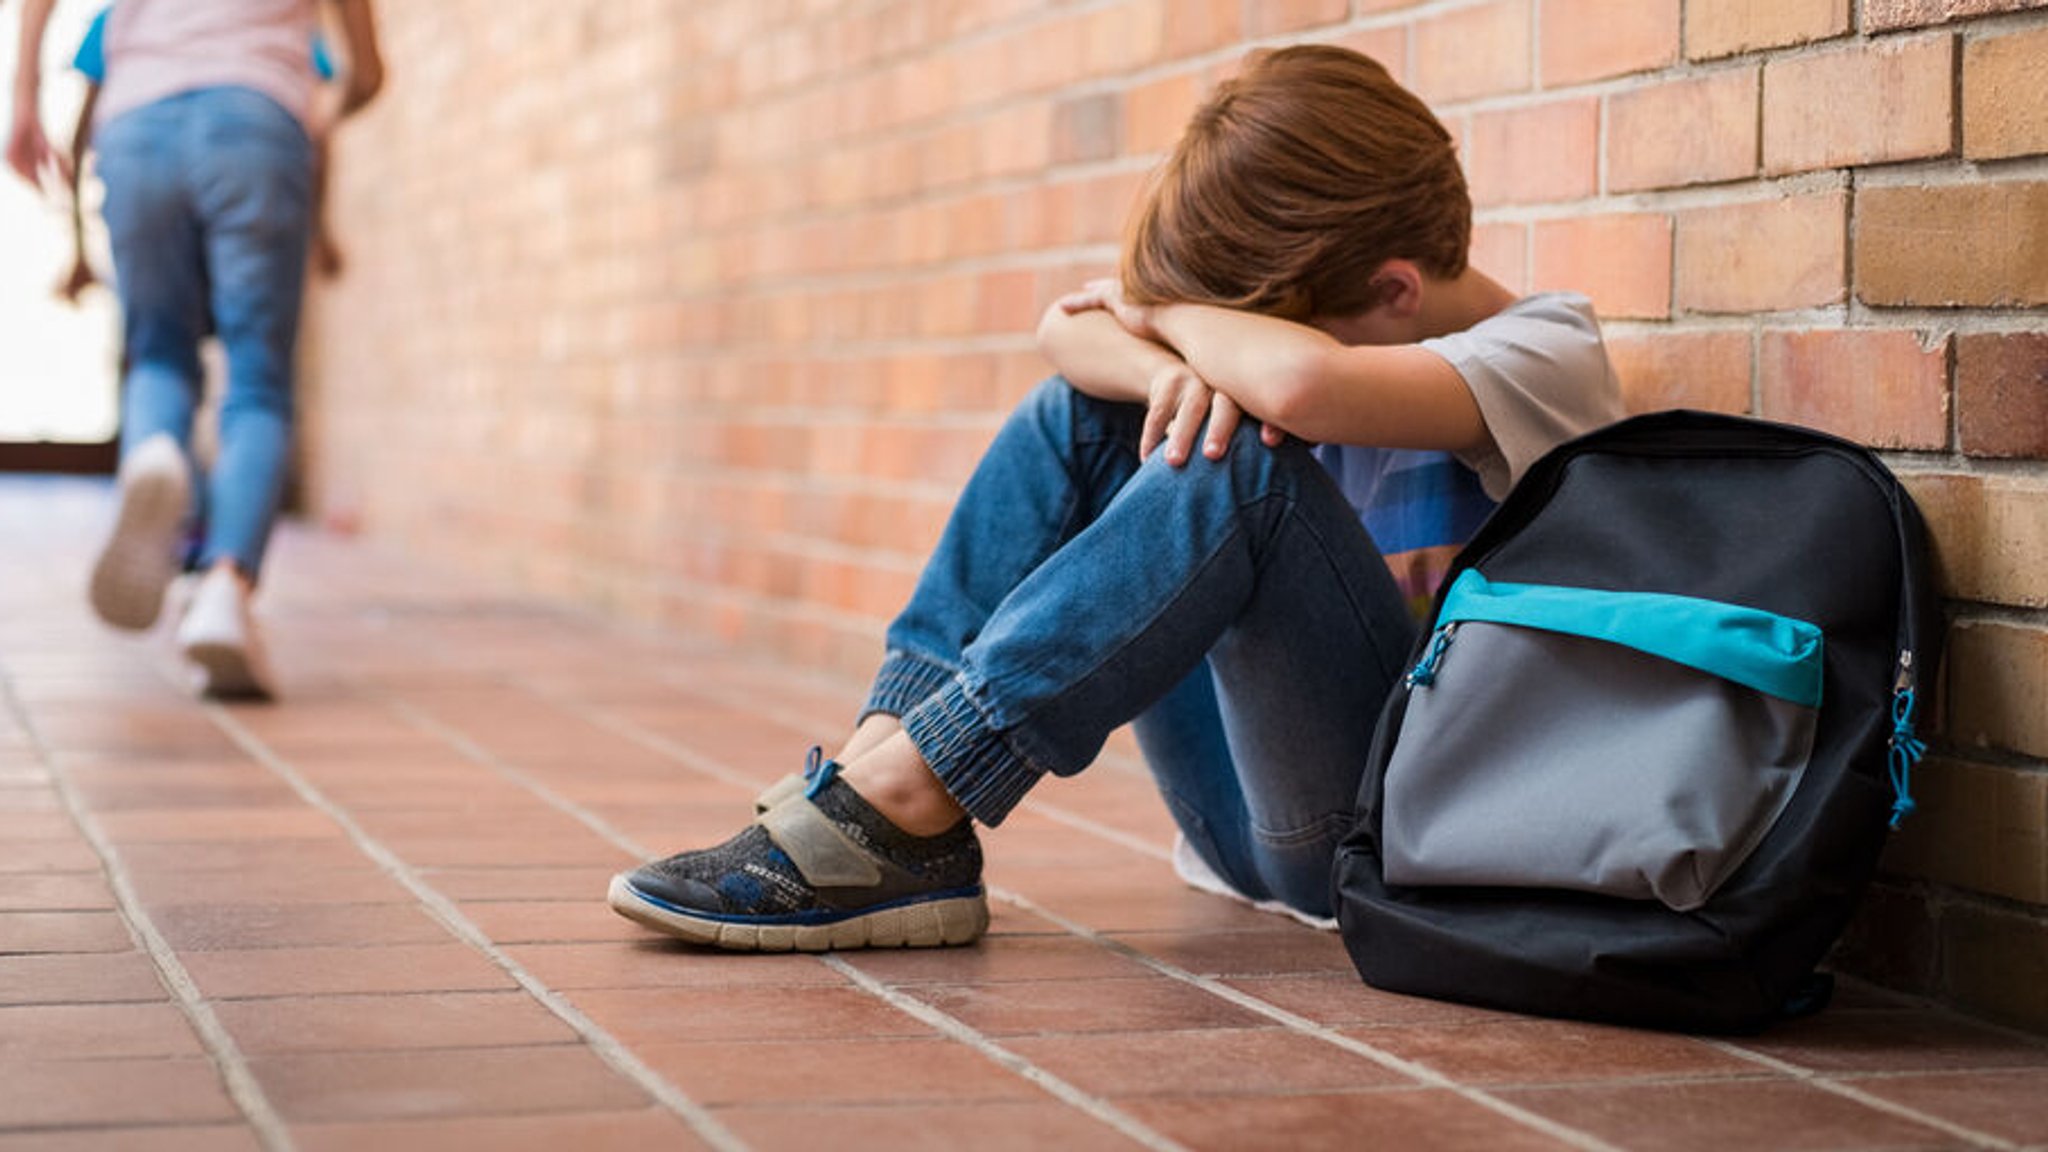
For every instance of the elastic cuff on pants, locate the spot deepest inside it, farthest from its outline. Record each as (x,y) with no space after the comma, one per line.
(969,757)
(904,681)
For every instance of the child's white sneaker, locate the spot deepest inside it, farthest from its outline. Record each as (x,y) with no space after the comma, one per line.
(141,556)
(219,635)
(1196,873)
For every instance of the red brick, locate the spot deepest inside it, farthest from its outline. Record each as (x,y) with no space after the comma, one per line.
(1996,962)
(1197,26)
(1990,535)
(1869,104)
(1763,255)
(1978,826)
(1593,39)
(1878,386)
(1545,152)
(2002,393)
(1889,15)
(1662,369)
(1087,128)
(1997,678)
(1273,17)
(2003,112)
(1157,113)
(1958,245)
(1124,37)
(1388,46)
(1715,28)
(1477,51)
(1698,130)
(1502,252)
(1623,262)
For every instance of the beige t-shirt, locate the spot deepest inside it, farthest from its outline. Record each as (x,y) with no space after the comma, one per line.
(1540,375)
(159,48)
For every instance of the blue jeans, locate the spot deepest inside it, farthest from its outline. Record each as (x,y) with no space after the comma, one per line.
(209,210)
(1235,609)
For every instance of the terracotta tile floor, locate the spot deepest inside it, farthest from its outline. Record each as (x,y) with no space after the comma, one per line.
(371,917)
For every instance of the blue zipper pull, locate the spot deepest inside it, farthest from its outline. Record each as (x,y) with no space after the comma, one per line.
(1905,748)
(1424,673)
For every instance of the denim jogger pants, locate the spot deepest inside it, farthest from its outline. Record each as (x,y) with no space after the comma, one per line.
(1235,609)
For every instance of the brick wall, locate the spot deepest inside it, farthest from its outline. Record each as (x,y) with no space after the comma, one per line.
(701,312)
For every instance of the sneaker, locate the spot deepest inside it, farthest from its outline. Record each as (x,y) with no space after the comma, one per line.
(1196,873)
(820,870)
(141,556)
(219,636)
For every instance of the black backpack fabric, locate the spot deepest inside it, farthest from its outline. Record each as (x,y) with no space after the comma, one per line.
(1649,752)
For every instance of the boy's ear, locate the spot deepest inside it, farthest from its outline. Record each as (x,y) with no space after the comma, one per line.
(1396,288)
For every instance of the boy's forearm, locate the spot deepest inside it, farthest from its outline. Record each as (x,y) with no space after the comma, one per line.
(1307,382)
(1099,357)
(1265,364)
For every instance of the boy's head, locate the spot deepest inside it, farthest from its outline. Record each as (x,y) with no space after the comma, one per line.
(1293,184)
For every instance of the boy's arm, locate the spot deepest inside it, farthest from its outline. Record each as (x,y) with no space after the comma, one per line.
(1098,356)
(1307,382)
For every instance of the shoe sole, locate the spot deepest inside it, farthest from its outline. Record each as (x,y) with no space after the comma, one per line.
(227,671)
(137,564)
(930,924)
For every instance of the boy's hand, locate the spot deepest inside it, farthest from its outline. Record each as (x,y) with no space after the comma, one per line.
(1108,295)
(1175,413)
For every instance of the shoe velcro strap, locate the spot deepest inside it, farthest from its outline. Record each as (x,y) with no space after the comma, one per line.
(827,856)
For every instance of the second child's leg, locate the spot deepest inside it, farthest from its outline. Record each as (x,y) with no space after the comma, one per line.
(160,279)
(253,189)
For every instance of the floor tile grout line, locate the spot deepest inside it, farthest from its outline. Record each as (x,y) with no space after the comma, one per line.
(936,1018)
(952,1027)
(607,1047)
(1425,1075)
(1830,1084)
(469,748)
(1053,812)
(242,1087)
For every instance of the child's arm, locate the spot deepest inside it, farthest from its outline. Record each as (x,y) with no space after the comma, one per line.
(365,74)
(28,151)
(1307,382)
(1099,357)
(80,274)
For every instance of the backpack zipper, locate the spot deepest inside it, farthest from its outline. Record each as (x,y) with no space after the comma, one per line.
(1424,672)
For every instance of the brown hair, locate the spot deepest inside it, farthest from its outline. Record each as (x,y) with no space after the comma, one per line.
(1293,183)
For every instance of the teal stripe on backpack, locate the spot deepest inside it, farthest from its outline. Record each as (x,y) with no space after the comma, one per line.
(1773,654)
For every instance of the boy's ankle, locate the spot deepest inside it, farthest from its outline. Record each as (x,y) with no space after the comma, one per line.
(897,784)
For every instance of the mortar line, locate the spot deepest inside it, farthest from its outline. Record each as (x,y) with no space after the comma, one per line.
(607,1047)
(241,1084)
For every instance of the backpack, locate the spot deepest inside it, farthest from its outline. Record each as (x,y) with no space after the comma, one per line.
(1649,751)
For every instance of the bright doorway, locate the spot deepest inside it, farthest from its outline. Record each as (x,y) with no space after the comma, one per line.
(58,362)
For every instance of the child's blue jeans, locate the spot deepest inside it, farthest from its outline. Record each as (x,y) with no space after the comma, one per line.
(1235,609)
(209,210)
